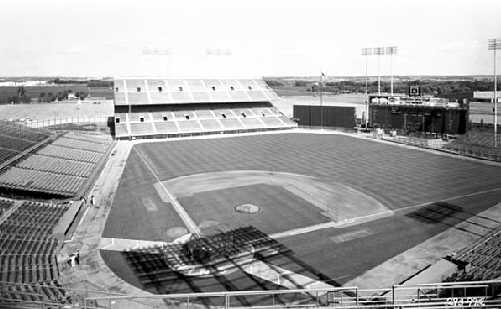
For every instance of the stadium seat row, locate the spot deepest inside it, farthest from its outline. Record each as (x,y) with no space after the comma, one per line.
(175,124)
(157,91)
(483,258)
(33,180)
(16,138)
(28,266)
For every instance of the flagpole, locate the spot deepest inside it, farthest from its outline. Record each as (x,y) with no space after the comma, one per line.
(321,103)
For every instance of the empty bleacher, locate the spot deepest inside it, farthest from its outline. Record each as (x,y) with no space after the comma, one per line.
(141,128)
(28,265)
(482,259)
(60,168)
(200,119)
(211,125)
(5,205)
(16,139)
(70,153)
(34,180)
(189,126)
(57,165)
(231,124)
(167,127)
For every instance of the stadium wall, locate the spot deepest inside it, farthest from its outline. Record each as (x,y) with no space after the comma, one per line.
(333,116)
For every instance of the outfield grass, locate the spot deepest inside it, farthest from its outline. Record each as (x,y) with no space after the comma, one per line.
(394,175)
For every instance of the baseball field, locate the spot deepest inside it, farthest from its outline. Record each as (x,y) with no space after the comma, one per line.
(342,205)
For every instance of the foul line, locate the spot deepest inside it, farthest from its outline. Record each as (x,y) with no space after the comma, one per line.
(332,224)
(363,219)
(188,222)
(447,199)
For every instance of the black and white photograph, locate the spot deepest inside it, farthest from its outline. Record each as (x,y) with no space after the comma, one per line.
(262,154)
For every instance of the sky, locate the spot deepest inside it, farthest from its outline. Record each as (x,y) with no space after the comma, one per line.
(254,38)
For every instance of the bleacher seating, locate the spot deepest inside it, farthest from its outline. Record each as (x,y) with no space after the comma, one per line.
(211,125)
(203,119)
(252,123)
(166,127)
(16,138)
(204,114)
(5,205)
(121,130)
(483,259)
(28,266)
(272,122)
(34,180)
(191,126)
(141,128)
(70,153)
(61,168)
(168,91)
(57,165)
(80,144)
(231,124)
(6,154)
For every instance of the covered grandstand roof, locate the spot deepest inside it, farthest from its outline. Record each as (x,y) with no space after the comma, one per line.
(146,91)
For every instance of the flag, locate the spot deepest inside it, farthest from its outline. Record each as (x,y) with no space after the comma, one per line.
(322,76)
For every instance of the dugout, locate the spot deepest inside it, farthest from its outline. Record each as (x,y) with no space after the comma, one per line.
(332,116)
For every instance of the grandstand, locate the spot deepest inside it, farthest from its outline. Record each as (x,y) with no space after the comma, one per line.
(61,168)
(28,248)
(174,107)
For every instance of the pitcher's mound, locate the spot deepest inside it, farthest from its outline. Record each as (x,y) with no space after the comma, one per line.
(247,208)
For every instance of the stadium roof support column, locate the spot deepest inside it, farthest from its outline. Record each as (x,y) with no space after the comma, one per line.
(495,44)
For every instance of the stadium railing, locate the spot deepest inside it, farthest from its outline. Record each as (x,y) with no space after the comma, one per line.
(480,294)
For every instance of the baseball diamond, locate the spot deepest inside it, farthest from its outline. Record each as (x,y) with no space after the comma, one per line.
(328,198)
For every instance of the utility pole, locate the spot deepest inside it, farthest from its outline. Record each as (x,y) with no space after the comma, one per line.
(495,44)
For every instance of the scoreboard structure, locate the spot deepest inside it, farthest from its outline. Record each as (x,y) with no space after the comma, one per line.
(417,116)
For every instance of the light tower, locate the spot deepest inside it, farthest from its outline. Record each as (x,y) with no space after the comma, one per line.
(391,50)
(378,51)
(366,52)
(495,44)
